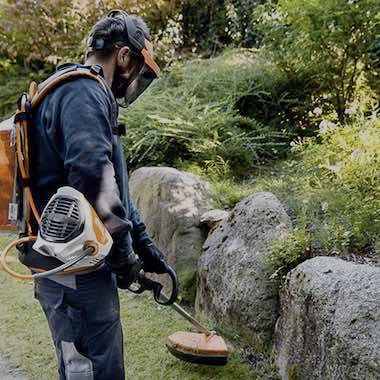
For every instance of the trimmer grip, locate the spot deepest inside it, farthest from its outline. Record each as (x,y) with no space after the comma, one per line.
(145,283)
(174,294)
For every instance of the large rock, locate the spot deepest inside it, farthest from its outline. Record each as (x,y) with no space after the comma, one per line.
(234,286)
(330,321)
(171,203)
(212,218)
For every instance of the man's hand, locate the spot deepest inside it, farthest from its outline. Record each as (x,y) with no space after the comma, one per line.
(152,258)
(126,270)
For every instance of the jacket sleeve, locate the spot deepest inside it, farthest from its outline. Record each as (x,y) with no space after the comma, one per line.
(140,236)
(86,127)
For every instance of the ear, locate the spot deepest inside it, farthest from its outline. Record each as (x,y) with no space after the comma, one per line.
(122,57)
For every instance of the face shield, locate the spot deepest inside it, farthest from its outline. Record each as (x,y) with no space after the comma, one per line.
(140,46)
(144,79)
(139,85)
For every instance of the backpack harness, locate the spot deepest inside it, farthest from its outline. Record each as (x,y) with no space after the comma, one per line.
(19,205)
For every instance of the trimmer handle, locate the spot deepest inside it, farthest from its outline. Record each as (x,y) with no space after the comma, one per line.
(145,283)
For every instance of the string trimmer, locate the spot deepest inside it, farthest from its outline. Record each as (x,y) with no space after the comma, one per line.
(71,234)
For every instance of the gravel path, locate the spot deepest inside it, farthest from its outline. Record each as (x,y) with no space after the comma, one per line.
(7,373)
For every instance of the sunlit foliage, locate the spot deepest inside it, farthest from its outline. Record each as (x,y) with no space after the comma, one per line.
(327,43)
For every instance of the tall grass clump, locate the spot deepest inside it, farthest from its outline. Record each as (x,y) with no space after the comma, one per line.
(191,115)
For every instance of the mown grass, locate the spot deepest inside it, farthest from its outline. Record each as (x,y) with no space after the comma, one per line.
(25,341)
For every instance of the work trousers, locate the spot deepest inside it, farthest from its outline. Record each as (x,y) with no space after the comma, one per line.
(85,326)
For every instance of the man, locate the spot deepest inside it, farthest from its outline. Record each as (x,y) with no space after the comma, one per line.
(75,142)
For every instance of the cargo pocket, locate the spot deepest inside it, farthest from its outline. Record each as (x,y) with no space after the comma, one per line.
(77,366)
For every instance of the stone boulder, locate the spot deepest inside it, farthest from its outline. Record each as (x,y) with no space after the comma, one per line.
(330,321)
(234,288)
(212,218)
(171,203)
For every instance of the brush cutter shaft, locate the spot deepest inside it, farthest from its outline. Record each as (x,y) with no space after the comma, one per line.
(191,319)
(187,316)
(145,283)
(204,347)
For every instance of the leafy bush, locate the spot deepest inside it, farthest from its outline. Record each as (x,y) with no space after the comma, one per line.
(240,28)
(191,115)
(14,80)
(39,33)
(332,187)
(327,43)
(10,90)
(203,28)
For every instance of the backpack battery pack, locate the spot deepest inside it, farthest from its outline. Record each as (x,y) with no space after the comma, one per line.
(9,197)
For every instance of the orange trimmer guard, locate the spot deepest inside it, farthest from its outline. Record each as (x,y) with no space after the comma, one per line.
(198,348)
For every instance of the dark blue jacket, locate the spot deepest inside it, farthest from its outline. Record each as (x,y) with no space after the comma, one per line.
(73,142)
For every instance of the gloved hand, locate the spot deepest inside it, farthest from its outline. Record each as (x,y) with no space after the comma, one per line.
(152,258)
(126,269)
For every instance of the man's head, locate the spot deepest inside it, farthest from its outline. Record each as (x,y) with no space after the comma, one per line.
(122,42)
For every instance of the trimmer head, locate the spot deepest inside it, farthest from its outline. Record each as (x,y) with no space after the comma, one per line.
(198,348)
(203,347)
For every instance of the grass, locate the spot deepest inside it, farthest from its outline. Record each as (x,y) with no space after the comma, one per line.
(25,340)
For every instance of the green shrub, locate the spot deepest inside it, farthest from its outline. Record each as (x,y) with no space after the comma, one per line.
(289,252)
(14,80)
(10,90)
(325,43)
(239,27)
(331,185)
(190,115)
(40,34)
(56,30)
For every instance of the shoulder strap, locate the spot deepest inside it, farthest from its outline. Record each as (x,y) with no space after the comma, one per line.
(59,78)
(22,120)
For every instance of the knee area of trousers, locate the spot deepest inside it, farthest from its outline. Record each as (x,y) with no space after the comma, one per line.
(76,365)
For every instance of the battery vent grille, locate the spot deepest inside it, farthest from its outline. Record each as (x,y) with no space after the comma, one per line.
(62,220)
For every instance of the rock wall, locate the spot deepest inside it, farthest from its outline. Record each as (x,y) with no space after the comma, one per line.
(330,321)
(234,287)
(171,203)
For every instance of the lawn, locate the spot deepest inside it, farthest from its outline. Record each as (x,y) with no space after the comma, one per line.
(25,340)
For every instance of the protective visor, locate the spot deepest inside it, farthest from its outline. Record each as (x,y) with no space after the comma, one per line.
(144,79)
(139,45)
(140,84)
(136,38)
(146,52)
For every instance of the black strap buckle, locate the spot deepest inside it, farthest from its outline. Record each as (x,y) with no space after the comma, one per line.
(28,104)
(119,130)
(22,116)
(25,182)
(96,69)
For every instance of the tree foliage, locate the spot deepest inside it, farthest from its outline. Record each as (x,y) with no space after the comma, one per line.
(325,42)
(47,32)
